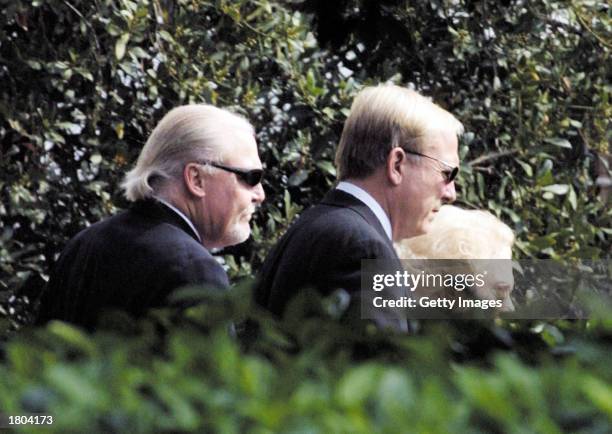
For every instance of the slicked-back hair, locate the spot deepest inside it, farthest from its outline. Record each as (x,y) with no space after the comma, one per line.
(186,133)
(384,117)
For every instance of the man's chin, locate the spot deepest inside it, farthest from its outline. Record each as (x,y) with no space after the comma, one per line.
(239,235)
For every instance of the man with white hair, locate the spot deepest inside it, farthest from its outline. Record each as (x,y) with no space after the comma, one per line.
(194,188)
(397,161)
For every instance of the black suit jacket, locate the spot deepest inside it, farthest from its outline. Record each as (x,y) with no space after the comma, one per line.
(323,249)
(130,261)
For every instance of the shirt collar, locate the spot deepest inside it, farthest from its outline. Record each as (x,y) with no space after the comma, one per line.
(183,216)
(371,203)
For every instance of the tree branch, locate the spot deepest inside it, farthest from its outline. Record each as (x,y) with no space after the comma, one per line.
(490,157)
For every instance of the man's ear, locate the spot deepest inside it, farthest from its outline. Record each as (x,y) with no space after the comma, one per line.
(194,179)
(395,168)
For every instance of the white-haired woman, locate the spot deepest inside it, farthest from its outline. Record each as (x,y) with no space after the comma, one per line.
(471,236)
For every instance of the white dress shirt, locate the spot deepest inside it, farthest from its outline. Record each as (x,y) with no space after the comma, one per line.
(371,203)
(183,216)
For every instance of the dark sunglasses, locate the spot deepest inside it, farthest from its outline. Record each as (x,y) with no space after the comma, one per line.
(449,174)
(250,177)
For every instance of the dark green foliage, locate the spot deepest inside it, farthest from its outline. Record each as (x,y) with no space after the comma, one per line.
(309,374)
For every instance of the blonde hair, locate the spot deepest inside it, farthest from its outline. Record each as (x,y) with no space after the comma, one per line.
(185,133)
(382,118)
(458,233)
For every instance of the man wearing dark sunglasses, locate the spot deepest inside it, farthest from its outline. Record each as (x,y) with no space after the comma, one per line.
(194,188)
(397,161)
(250,177)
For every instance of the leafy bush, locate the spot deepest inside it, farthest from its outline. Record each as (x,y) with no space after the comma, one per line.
(179,373)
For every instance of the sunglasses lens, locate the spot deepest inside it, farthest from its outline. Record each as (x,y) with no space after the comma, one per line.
(253,177)
(453,174)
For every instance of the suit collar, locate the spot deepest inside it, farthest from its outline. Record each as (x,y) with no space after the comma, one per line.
(340,198)
(153,209)
(365,197)
(181,215)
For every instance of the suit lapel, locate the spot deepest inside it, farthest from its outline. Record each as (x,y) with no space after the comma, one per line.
(342,199)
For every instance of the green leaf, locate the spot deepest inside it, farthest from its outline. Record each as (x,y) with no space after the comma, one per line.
(74,386)
(573,200)
(168,37)
(396,392)
(34,65)
(120,46)
(526,168)
(599,393)
(357,384)
(139,52)
(327,167)
(95,159)
(119,129)
(557,141)
(559,189)
(72,335)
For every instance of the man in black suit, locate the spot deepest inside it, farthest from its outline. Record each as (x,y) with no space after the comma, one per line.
(194,188)
(396,161)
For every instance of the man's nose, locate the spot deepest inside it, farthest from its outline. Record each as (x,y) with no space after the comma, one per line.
(449,195)
(258,193)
